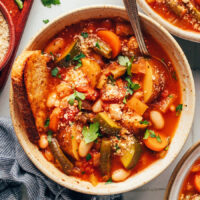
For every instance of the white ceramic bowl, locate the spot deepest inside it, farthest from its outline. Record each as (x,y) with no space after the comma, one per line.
(188,96)
(187,35)
(181,171)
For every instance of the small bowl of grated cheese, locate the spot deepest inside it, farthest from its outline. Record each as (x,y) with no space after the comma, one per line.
(7,36)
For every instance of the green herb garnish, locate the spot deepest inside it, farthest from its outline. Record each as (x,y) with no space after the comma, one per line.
(20,4)
(145,122)
(91,133)
(124,100)
(108,181)
(88,157)
(117,147)
(76,96)
(131,85)
(46,124)
(97,45)
(48,3)
(84,34)
(49,136)
(125,61)
(111,79)
(54,72)
(179,108)
(79,56)
(150,133)
(46,21)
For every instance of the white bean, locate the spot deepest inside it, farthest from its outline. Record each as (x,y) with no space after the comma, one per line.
(97,107)
(84,148)
(115,111)
(120,175)
(43,142)
(157,119)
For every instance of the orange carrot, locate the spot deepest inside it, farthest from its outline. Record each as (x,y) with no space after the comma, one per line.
(112,39)
(197,181)
(54,117)
(157,143)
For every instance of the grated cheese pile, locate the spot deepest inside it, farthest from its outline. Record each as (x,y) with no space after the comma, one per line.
(4,37)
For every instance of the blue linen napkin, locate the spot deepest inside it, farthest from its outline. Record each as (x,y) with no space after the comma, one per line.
(20,179)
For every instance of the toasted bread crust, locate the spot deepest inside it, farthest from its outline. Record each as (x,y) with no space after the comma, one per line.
(20,95)
(36,78)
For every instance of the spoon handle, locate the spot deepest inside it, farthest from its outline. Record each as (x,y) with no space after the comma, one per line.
(132,11)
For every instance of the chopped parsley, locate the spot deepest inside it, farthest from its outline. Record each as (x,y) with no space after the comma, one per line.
(46,124)
(45,21)
(90,133)
(150,133)
(20,4)
(179,108)
(78,59)
(76,96)
(67,58)
(97,45)
(49,136)
(54,72)
(124,100)
(88,157)
(145,122)
(84,34)
(131,85)
(108,181)
(111,79)
(83,172)
(125,61)
(117,147)
(48,3)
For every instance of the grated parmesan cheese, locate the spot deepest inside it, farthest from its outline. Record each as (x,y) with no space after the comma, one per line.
(4,37)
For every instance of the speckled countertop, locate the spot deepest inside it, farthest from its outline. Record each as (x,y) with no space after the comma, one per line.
(155,189)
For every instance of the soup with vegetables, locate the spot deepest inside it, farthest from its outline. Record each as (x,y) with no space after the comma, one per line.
(108,112)
(191,186)
(184,14)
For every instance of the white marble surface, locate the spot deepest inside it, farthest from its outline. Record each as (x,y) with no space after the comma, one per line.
(155,189)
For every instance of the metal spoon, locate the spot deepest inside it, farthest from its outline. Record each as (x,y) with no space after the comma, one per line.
(131,8)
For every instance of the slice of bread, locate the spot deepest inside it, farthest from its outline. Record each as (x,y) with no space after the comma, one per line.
(30,81)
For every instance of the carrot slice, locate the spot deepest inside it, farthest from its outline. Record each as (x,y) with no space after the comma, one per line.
(197,181)
(156,145)
(112,40)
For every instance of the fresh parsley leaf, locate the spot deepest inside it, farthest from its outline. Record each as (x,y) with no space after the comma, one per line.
(84,34)
(49,136)
(88,157)
(79,56)
(78,65)
(158,139)
(83,172)
(124,100)
(46,124)
(48,3)
(68,57)
(59,76)
(112,80)
(129,66)
(117,147)
(46,21)
(145,122)
(152,134)
(97,45)
(54,72)
(123,60)
(76,96)
(179,108)
(109,181)
(131,85)
(20,4)
(90,133)
(146,134)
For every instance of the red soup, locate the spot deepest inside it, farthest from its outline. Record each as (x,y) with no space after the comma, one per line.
(184,14)
(191,186)
(111,112)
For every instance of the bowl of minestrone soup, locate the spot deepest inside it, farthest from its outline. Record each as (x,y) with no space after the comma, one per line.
(179,17)
(91,112)
(184,183)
